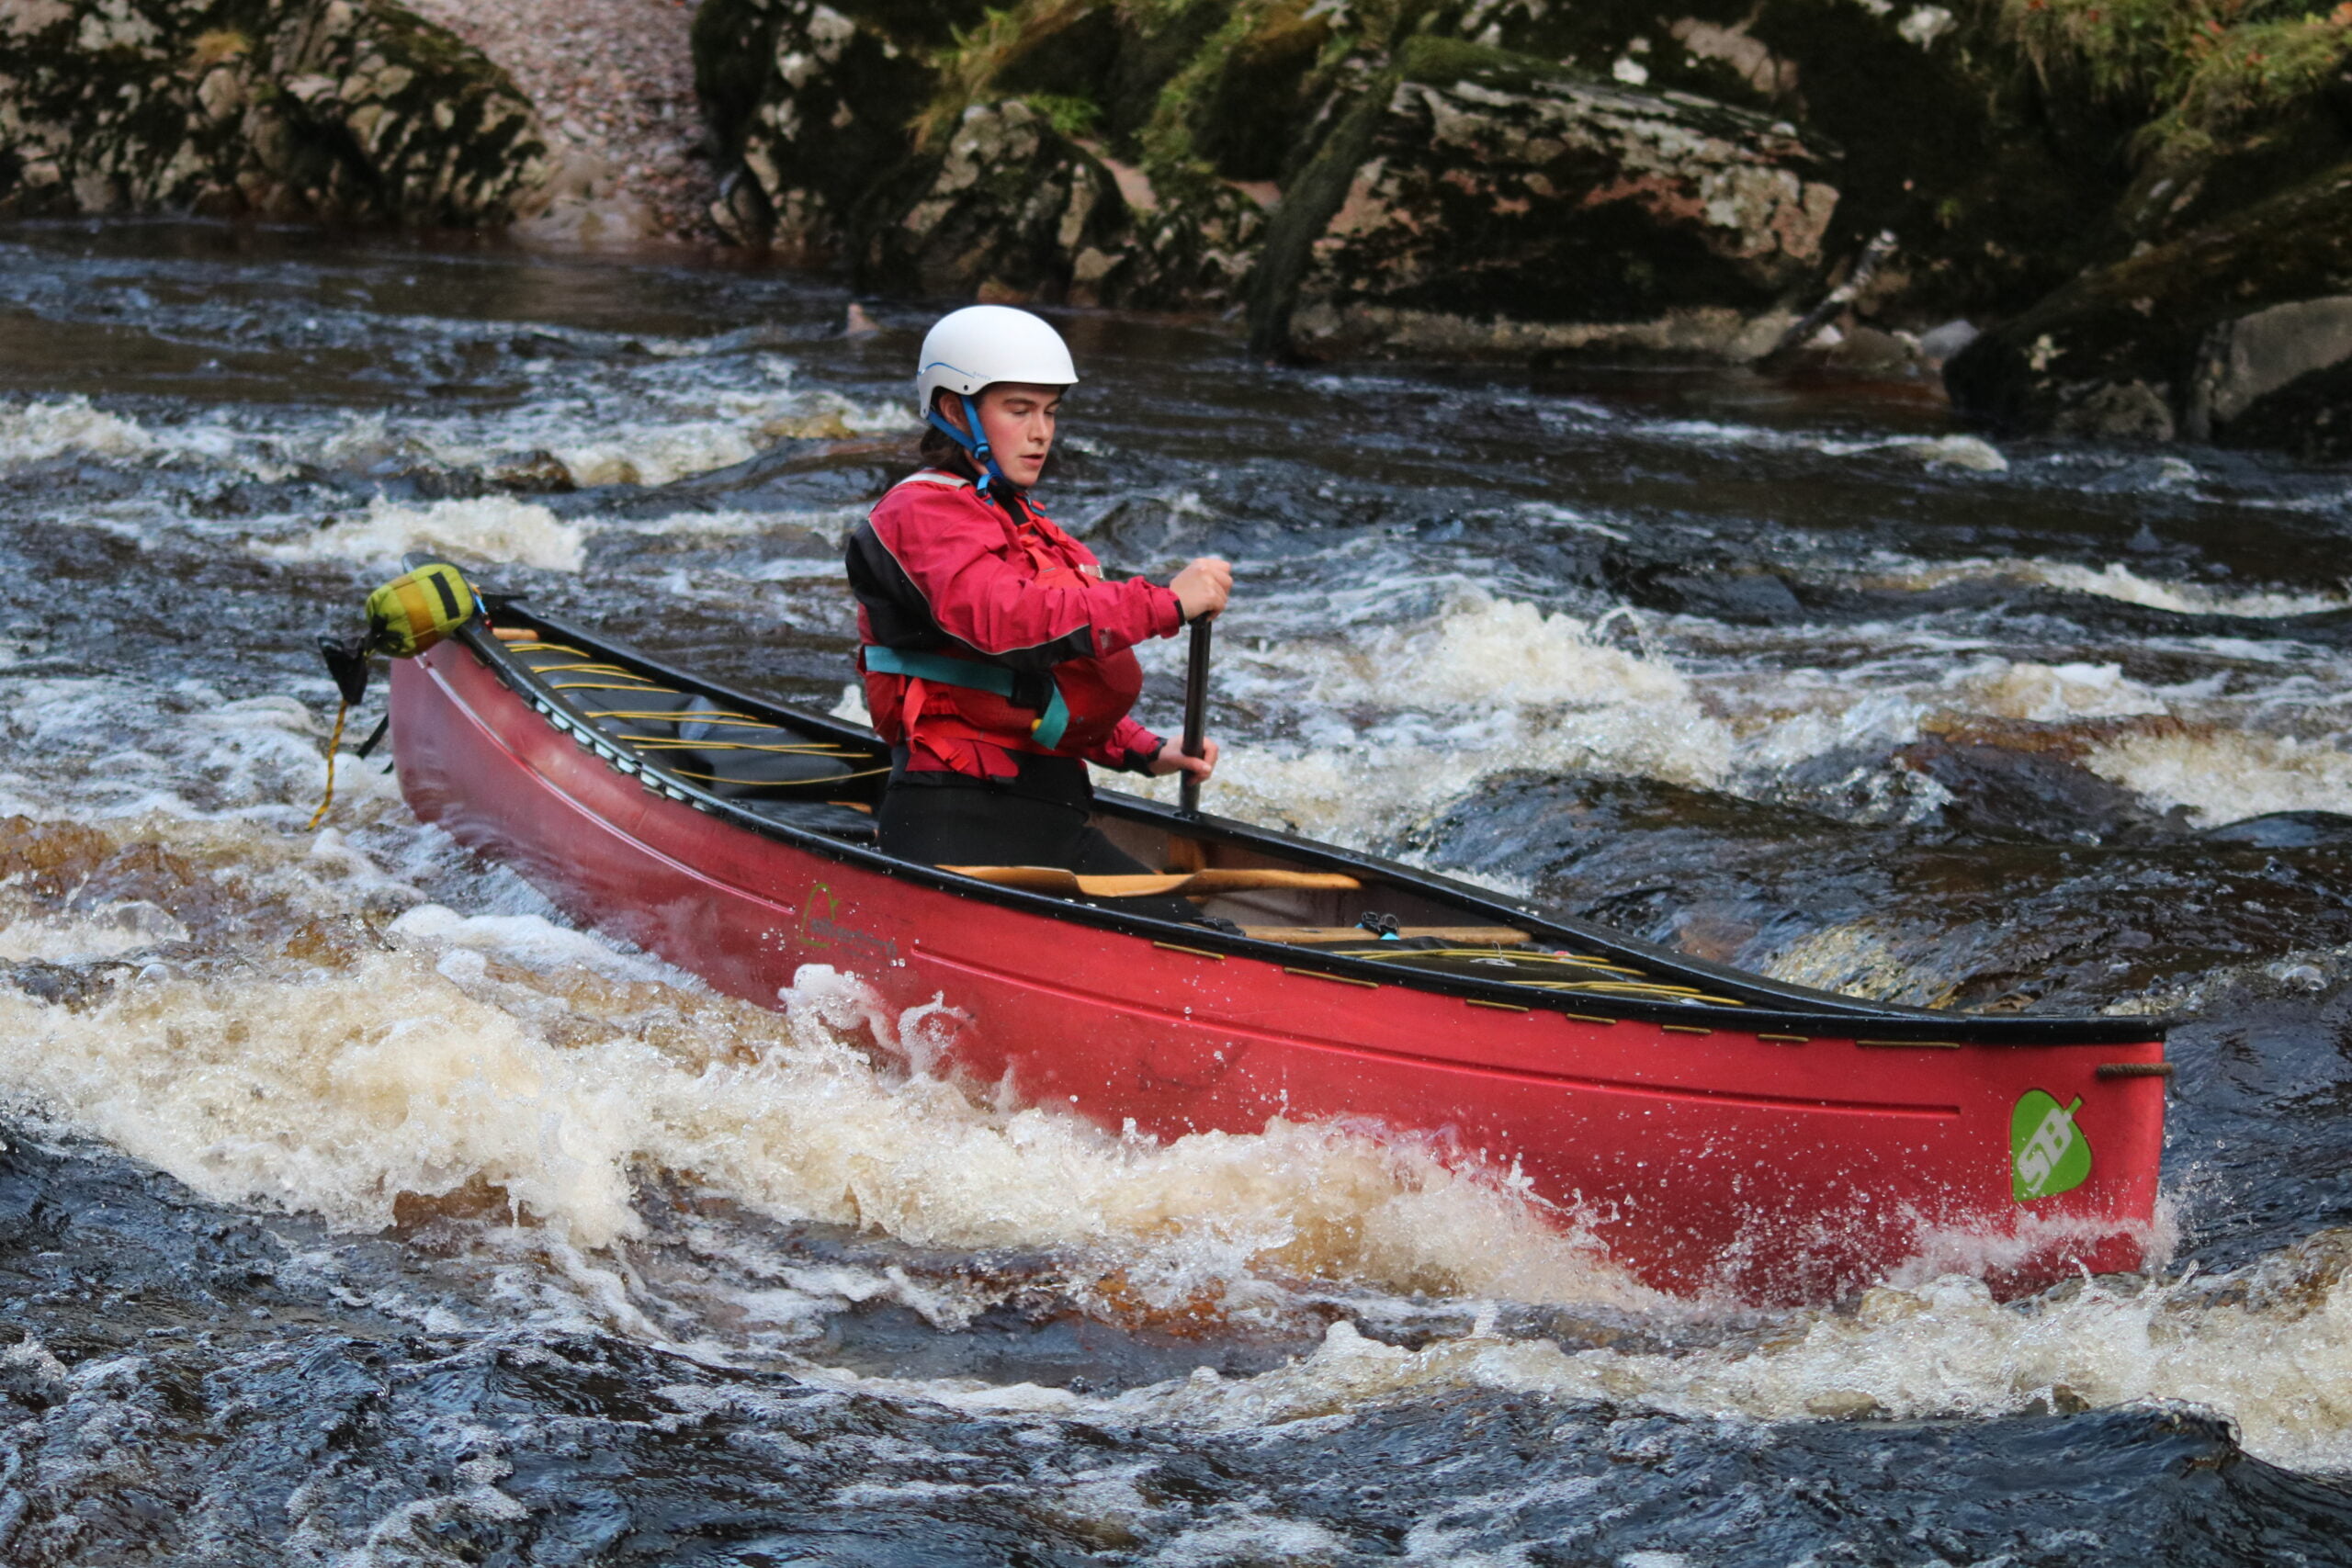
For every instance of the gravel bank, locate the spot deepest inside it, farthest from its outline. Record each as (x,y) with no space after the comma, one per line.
(614,81)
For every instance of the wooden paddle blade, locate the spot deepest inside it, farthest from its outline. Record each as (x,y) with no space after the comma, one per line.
(1143,885)
(1252,878)
(1034,879)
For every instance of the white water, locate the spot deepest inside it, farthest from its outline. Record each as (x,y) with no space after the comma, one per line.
(505,1051)
(427,1051)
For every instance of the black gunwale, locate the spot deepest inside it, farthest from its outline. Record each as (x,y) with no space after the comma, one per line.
(1779,1008)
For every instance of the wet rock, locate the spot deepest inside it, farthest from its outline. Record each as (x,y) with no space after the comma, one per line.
(809,104)
(2239,334)
(2003,791)
(1452,196)
(2179,188)
(1006,212)
(349,110)
(71,985)
(1865,350)
(2282,369)
(538,472)
(1748,597)
(977,169)
(2285,831)
(1476,197)
(1949,139)
(1193,251)
(1940,344)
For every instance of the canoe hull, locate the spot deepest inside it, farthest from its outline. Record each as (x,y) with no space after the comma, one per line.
(1707,1161)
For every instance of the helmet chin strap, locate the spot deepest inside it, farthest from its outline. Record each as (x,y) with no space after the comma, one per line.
(974,441)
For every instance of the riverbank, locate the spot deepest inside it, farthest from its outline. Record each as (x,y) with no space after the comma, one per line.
(614,81)
(2141,211)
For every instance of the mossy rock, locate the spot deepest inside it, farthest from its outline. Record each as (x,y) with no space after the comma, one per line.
(349,110)
(1472,184)
(809,105)
(1005,212)
(1212,87)
(1193,250)
(1949,138)
(2234,333)
(2179,189)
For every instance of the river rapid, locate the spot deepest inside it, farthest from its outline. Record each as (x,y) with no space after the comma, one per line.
(358,1210)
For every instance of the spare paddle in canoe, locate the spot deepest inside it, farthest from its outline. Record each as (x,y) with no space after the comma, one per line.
(1147,884)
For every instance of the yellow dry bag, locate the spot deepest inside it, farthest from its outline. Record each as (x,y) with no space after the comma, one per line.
(405,617)
(417,609)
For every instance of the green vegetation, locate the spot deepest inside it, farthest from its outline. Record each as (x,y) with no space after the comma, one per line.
(1072,116)
(1195,90)
(1171,150)
(978,56)
(2200,71)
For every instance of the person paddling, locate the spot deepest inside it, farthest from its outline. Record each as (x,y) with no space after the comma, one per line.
(995,654)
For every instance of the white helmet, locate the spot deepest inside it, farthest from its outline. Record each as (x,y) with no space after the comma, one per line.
(982,344)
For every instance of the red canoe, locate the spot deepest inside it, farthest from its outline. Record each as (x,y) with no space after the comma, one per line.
(1722,1134)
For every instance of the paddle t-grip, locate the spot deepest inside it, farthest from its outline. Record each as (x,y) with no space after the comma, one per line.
(1196,712)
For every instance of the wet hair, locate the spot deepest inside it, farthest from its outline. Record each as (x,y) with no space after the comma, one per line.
(939,450)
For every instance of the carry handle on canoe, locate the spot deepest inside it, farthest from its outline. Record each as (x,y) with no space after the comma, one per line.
(1196,714)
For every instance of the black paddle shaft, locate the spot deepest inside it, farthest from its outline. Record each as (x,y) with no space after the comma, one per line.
(1196,711)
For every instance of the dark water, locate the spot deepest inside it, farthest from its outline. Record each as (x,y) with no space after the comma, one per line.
(357,1212)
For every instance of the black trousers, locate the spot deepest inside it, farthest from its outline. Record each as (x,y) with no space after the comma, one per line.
(979,825)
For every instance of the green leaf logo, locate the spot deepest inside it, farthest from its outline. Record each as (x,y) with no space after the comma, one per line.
(2048,1154)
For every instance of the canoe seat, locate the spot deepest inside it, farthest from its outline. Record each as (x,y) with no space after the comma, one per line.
(1147,884)
(1467,936)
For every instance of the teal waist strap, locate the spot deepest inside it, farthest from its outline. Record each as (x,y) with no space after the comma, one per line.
(946,670)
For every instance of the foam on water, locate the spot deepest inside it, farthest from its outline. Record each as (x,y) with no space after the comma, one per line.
(366,1025)
(1966,452)
(692,415)
(491,529)
(692,418)
(34,432)
(115,747)
(2276,1357)
(2052,694)
(43,430)
(2227,775)
(2270,1349)
(1395,718)
(502,1053)
(2112,580)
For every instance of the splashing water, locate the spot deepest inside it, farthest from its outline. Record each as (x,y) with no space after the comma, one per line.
(347,1133)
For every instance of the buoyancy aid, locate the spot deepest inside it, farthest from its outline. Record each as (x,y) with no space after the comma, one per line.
(1067,692)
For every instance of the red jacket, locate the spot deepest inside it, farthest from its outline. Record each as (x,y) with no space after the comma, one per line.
(936,569)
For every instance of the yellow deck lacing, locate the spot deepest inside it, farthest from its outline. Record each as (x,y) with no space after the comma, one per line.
(651,747)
